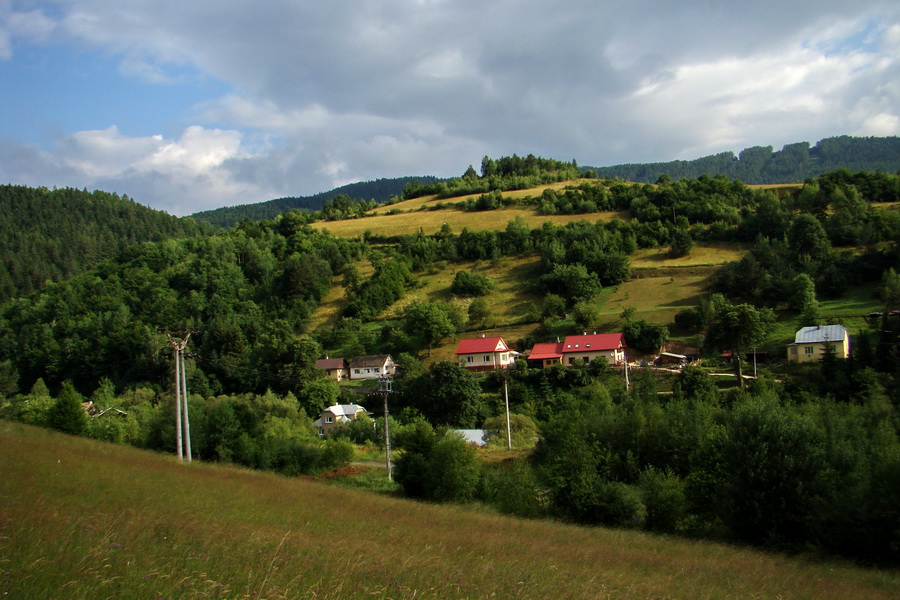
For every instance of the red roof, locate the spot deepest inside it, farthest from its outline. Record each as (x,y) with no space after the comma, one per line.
(481,345)
(593,343)
(546,351)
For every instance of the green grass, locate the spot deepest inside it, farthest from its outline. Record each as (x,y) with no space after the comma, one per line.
(84,520)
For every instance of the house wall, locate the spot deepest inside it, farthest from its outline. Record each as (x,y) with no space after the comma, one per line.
(372,372)
(613,356)
(814,351)
(485,361)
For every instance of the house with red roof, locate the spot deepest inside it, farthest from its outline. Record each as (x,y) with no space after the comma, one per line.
(545,355)
(610,346)
(484,354)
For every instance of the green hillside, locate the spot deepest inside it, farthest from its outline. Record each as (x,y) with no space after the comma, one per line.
(85,520)
(759,165)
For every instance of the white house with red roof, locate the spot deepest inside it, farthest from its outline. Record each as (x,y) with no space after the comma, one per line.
(610,346)
(484,354)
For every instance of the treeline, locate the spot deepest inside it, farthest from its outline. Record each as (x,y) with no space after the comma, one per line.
(378,191)
(51,235)
(794,163)
(266,431)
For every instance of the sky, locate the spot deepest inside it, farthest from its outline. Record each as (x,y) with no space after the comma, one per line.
(193,105)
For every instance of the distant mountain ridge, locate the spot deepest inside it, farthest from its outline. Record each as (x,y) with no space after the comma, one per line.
(379,190)
(794,163)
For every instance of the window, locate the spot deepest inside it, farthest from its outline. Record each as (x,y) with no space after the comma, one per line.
(486,358)
(504,358)
(376,370)
(571,360)
(808,350)
(357,371)
(793,349)
(329,419)
(470,359)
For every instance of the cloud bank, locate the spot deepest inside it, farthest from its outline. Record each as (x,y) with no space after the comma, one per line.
(248,102)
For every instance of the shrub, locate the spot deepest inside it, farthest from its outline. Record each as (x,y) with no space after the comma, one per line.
(466,283)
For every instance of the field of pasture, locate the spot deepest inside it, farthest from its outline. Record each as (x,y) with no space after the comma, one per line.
(84,520)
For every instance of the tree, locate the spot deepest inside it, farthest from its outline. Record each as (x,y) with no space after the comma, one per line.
(466,283)
(446,394)
(890,290)
(67,414)
(807,237)
(738,328)
(803,299)
(432,321)
(681,243)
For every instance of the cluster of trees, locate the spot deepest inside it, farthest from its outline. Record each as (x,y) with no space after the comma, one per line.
(503,174)
(266,431)
(789,467)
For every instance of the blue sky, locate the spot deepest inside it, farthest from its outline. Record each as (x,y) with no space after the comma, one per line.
(187,106)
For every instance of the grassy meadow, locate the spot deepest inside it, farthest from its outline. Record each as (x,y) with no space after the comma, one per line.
(85,520)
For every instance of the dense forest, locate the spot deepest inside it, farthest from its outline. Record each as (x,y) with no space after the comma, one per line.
(51,235)
(808,460)
(761,165)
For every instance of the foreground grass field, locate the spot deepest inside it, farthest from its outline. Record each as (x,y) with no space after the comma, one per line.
(83,520)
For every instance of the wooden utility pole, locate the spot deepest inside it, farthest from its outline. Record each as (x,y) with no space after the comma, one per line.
(178,341)
(385,385)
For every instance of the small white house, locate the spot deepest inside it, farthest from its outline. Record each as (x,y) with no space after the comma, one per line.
(372,366)
(336,415)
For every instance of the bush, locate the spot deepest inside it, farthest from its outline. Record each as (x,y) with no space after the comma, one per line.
(513,490)
(466,283)
(663,494)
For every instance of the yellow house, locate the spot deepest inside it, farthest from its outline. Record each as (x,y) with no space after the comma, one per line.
(810,343)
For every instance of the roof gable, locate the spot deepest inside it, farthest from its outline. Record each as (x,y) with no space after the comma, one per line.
(481,345)
(597,342)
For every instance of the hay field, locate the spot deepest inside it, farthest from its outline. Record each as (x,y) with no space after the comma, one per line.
(430,222)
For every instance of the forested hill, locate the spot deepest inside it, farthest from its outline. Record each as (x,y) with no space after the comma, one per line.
(794,163)
(379,190)
(50,235)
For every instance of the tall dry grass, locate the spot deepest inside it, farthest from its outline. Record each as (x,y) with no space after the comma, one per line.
(84,520)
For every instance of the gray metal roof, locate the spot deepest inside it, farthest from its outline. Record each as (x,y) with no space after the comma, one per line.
(823,333)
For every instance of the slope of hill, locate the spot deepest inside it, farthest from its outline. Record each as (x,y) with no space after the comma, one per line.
(380,190)
(758,165)
(82,519)
(51,235)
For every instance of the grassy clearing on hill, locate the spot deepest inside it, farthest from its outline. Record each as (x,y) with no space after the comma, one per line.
(85,520)
(430,222)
